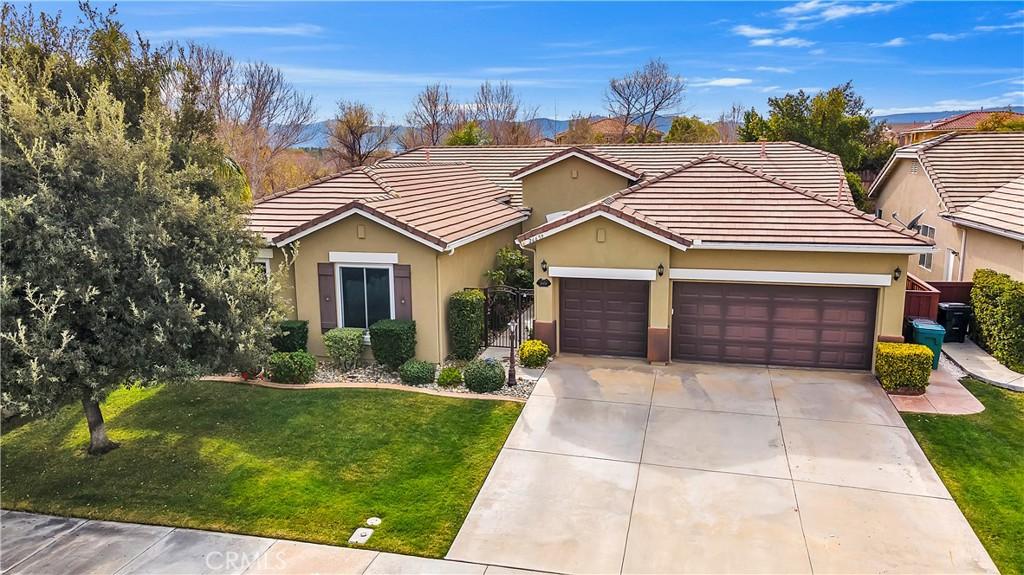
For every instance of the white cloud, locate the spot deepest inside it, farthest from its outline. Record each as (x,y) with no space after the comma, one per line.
(1017,14)
(804,7)
(219,31)
(770,89)
(350,77)
(944,37)
(812,11)
(753,31)
(817,51)
(775,69)
(720,82)
(837,11)
(1014,98)
(894,43)
(789,42)
(1013,26)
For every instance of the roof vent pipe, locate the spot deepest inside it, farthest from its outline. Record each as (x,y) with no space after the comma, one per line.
(764,155)
(428,154)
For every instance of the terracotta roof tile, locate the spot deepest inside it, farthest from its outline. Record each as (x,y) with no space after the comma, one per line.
(1002,209)
(964,121)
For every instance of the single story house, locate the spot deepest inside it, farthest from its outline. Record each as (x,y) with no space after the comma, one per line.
(962,123)
(728,252)
(969,192)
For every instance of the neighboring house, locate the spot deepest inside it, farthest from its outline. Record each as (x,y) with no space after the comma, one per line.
(966,122)
(968,188)
(609,131)
(728,252)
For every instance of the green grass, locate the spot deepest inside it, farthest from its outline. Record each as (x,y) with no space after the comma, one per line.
(310,465)
(980,458)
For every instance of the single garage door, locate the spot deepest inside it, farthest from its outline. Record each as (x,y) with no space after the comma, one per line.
(603,317)
(779,325)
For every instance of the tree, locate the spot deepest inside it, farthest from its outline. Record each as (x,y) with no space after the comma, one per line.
(116,271)
(580,131)
(729,121)
(691,129)
(500,113)
(469,134)
(1002,122)
(430,119)
(357,135)
(639,97)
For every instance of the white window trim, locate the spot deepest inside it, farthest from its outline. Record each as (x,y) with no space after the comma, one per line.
(931,257)
(829,248)
(781,277)
(363,257)
(603,273)
(265,254)
(338,293)
(265,262)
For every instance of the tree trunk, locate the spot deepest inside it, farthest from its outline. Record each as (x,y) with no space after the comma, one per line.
(99,443)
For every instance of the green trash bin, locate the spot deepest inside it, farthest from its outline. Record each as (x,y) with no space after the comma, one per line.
(928,333)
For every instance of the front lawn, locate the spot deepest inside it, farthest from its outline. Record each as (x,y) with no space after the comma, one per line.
(981,460)
(309,465)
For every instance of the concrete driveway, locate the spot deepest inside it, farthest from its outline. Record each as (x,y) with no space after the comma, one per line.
(618,466)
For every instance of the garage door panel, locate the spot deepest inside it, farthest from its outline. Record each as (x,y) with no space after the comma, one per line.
(786,325)
(603,317)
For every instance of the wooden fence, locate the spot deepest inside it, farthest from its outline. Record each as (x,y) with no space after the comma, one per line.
(922,300)
(957,292)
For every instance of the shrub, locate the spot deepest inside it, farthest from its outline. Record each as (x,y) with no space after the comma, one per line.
(344,346)
(416,372)
(293,336)
(449,377)
(903,367)
(533,353)
(465,323)
(393,342)
(998,305)
(295,367)
(484,375)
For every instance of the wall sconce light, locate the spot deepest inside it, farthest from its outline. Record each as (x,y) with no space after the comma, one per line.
(897,273)
(544,265)
(661,270)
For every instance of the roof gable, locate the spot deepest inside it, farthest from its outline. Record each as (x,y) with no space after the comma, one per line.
(601,161)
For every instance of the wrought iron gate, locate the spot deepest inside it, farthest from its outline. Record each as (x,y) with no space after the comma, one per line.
(508,316)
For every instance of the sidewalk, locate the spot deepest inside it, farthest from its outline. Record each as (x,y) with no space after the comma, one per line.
(44,545)
(983,366)
(945,395)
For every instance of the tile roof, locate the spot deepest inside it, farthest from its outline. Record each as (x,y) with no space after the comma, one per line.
(1002,209)
(800,165)
(594,156)
(964,121)
(440,203)
(964,167)
(714,199)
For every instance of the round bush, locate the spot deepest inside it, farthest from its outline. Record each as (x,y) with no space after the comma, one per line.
(393,342)
(533,353)
(450,377)
(416,372)
(294,367)
(344,345)
(484,375)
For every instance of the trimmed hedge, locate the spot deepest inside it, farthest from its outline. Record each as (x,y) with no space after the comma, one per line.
(295,367)
(484,375)
(998,305)
(344,345)
(393,342)
(903,367)
(533,353)
(416,372)
(449,377)
(466,323)
(292,337)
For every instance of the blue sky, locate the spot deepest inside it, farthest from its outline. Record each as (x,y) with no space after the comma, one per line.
(902,56)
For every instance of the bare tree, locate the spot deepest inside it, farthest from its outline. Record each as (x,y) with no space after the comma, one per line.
(641,95)
(728,121)
(433,113)
(580,131)
(501,114)
(357,135)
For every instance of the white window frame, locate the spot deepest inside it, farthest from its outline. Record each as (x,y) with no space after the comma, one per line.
(266,265)
(922,258)
(339,295)
(263,257)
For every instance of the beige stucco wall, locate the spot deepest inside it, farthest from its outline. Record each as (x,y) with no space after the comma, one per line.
(990,251)
(286,276)
(341,237)
(465,268)
(907,194)
(554,189)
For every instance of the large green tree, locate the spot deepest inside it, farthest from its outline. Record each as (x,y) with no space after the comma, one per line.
(124,260)
(691,129)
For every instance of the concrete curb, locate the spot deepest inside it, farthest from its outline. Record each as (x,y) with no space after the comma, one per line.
(1012,385)
(359,385)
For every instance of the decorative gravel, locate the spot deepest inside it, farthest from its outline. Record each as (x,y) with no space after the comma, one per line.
(951,368)
(328,373)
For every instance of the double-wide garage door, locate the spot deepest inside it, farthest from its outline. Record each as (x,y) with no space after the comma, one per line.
(781,325)
(603,317)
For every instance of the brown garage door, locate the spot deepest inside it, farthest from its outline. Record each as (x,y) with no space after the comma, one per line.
(603,317)
(780,325)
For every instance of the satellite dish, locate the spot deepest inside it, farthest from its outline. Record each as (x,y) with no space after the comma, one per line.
(916,220)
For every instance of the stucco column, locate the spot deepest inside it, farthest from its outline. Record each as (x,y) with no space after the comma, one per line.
(545,327)
(660,317)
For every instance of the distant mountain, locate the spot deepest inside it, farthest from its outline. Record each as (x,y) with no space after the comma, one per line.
(913,117)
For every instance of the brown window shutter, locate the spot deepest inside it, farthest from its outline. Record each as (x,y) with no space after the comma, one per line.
(403,291)
(328,293)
